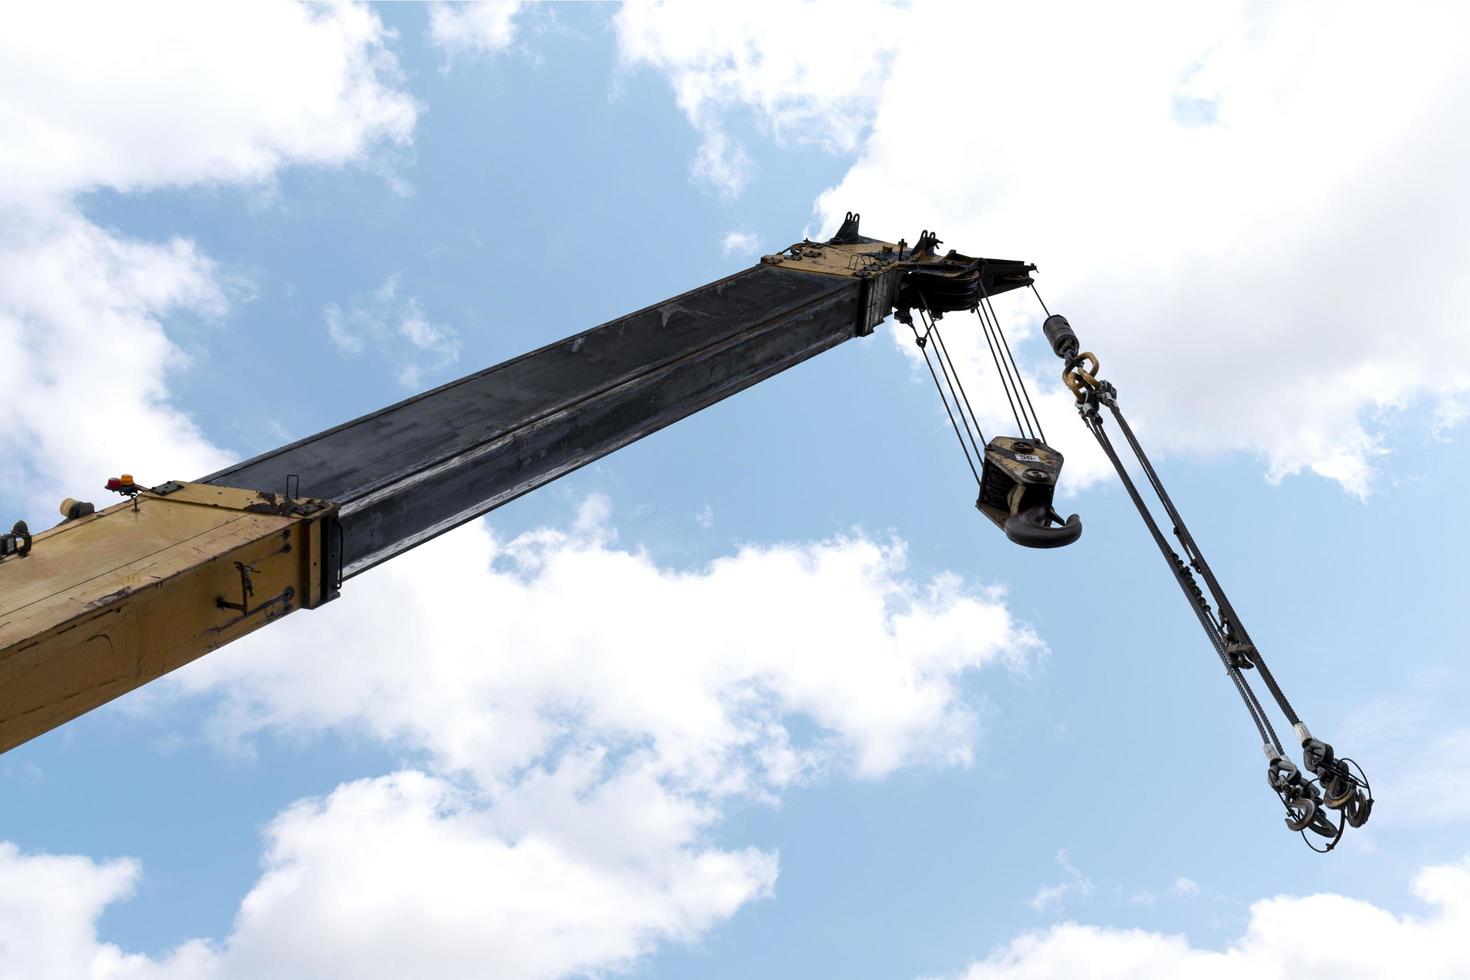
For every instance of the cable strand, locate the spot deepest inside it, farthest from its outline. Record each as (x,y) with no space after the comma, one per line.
(933,330)
(1000,372)
(1040,300)
(1253,706)
(1020,382)
(1227,611)
(940,388)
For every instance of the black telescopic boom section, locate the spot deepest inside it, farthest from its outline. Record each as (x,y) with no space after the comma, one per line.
(413,470)
(409,472)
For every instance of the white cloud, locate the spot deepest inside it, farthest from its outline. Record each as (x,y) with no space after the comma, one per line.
(722,163)
(1077,885)
(1317,937)
(705,517)
(1181,888)
(1429,778)
(575,766)
(477,27)
(182,93)
(87,360)
(49,907)
(167,95)
(1259,270)
(394,877)
(397,328)
(808,73)
(670,660)
(427,902)
(739,243)
(455,890)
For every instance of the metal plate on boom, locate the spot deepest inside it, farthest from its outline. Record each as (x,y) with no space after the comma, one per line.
(105,603)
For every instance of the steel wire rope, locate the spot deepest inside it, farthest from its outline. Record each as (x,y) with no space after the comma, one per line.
(1012,376)
(922,342)
(1020,382)
(1000,372)
(1039,299)
(931,327)
(1227,634)
(1213,628)
(1253,706)
(1181,531)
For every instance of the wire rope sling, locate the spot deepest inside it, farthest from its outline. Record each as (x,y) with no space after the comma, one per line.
(1016,478)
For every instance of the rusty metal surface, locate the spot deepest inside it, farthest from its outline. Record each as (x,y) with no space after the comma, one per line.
(429,463)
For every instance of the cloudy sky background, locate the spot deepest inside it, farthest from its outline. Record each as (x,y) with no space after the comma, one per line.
(760,695)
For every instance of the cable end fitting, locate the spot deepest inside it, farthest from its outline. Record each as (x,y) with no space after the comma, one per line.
(1060,335)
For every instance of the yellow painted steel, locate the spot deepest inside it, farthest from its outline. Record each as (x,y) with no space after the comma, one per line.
(848,261)
(105,603)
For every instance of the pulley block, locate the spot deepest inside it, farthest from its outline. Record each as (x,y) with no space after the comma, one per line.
(1017,484)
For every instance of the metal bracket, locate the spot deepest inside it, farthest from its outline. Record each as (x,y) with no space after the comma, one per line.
(16,542)
(284,506)
(246,591)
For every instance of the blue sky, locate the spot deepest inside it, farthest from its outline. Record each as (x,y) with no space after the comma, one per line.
(761,694)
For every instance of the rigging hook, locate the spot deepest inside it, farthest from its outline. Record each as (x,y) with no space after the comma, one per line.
(1017,475)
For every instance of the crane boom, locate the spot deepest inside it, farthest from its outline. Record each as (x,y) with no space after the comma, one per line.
(410,471)
(107,601)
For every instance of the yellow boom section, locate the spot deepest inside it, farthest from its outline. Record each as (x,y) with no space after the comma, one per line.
(108,602)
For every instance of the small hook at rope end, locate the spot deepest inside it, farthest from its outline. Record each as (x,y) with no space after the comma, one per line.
(1310,803)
